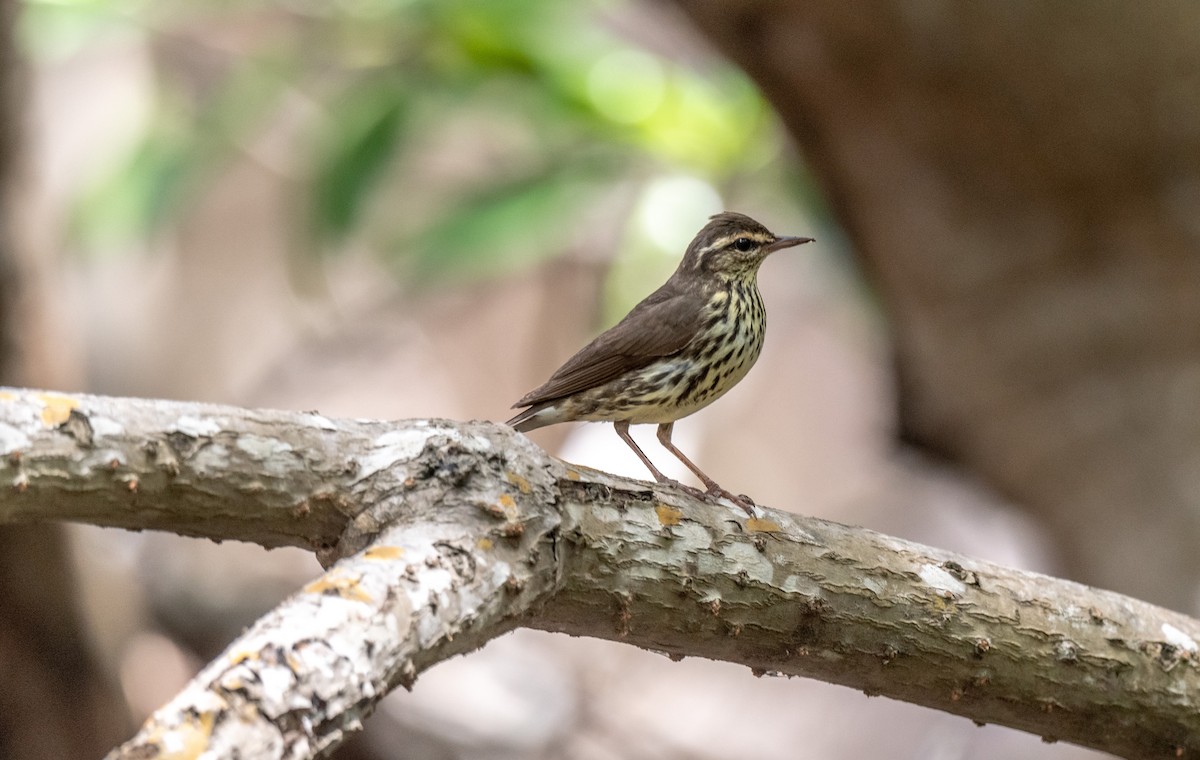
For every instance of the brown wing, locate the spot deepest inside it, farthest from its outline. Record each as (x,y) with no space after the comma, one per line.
(659,326)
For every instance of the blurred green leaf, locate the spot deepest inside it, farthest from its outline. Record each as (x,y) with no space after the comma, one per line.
(54,29)
(364,130)
(140,195)
(146,190)
(508,226)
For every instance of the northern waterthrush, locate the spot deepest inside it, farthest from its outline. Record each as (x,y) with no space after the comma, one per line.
(676,352)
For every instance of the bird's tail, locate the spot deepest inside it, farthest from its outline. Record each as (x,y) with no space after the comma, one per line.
(533,418)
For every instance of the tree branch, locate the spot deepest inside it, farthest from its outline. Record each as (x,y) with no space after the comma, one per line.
(452,533)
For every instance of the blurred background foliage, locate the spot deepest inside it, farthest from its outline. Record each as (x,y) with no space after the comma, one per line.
(454,139)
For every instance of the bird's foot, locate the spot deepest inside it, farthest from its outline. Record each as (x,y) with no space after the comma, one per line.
(690,490)
(742,500)
(713,493)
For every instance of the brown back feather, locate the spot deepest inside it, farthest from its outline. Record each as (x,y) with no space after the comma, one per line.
(659,326)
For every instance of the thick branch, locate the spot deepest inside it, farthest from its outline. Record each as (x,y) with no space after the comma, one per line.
(797,596)
(307,673)
(456,532)
(272,478)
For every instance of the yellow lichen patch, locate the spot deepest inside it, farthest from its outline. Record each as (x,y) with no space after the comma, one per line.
(7,396)
(485,544)
(239,657)
(508,505)
(573,475)
(520,482)
(57,409)
(187,741)
(941,603)
(346,588)
(668,515)
(762,525)
(384,552)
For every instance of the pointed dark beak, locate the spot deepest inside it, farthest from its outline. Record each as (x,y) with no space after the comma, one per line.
(787,242)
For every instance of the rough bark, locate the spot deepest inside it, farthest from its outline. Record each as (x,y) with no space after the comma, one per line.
(451,533)
(1022,182)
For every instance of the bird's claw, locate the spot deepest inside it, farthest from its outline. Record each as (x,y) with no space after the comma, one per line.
(742,500)
(714,493)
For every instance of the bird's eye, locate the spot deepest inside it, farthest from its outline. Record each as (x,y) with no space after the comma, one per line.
(744,244)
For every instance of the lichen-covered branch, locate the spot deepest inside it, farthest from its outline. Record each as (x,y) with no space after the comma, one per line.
(273,478)
(307,673)
(795,596)
(451,533)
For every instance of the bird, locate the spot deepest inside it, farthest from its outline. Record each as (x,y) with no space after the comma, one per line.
(677,351)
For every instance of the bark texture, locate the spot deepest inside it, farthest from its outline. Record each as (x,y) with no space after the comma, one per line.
(447,534)
(1022,182)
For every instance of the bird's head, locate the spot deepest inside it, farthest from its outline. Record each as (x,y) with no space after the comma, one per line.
(731,246)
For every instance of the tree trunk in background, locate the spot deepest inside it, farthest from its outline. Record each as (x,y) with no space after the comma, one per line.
(56,701)
(10,281)
(1022,183)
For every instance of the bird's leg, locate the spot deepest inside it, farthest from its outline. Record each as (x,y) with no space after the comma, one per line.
(713,489)
(664,437)
(622,429)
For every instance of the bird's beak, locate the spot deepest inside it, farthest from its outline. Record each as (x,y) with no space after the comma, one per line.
(786,242)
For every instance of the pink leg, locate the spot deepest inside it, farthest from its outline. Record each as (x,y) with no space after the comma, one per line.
(622,429)
(664,437)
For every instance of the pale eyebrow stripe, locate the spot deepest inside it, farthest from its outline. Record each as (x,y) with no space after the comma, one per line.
(722,242)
